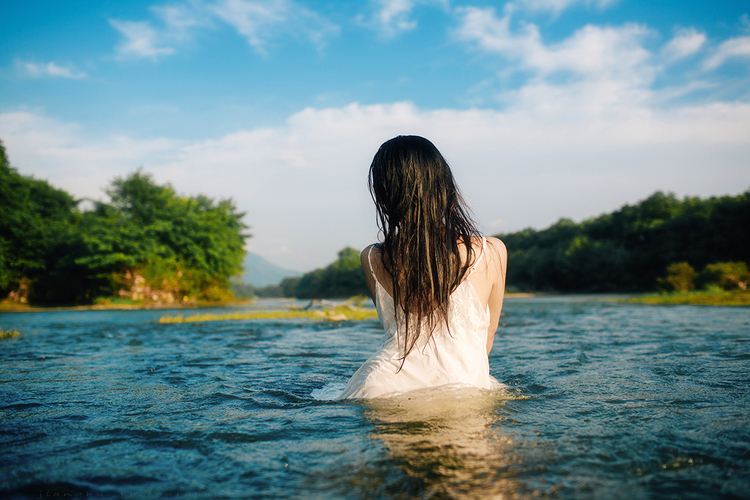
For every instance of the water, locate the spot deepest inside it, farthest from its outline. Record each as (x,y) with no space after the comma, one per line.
(604,400)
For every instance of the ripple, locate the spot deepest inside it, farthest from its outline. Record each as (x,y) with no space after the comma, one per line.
(601,400)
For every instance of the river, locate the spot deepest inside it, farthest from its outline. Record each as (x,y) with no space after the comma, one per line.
(603,400)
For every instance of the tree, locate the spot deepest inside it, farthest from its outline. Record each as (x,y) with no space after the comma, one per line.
(148,243)
(36,221)
(340,279)
(172,247)
(628,249)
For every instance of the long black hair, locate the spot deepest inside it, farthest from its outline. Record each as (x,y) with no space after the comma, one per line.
(423,219)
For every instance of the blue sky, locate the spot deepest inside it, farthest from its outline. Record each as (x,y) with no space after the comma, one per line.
(543,108)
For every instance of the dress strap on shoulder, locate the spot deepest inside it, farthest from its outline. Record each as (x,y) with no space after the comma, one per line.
(481,254)
(369,263)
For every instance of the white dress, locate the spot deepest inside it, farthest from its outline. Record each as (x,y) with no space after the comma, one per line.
(458,357)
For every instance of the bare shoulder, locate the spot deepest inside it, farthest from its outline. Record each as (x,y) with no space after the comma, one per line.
(364,255)
(494,249)
(497,254)
(365,252)
(497,245)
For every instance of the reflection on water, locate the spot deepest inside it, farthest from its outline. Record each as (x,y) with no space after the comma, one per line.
(443,443)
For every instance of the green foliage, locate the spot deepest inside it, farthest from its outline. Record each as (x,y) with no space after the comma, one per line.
(188,246)
(342,278)
(716,277)
(679,278)
(9,334)
(289,286)
(627,250)
(148,244)
(36,224)
(724,276)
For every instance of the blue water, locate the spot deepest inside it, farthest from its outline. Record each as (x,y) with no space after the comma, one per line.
(604,400)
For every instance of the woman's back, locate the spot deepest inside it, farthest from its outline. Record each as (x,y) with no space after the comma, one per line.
(455,352)
(437,284)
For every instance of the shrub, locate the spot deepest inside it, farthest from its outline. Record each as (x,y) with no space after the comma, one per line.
(679,278)
(724,275)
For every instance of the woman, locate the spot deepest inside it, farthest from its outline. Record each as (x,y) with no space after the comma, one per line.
(436,282)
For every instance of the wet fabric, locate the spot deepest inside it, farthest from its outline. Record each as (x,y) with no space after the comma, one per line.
(455,354)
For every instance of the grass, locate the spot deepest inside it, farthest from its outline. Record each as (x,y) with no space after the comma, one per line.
(10,305)
(9,334)
(337,313)
(699,298)
(117,301)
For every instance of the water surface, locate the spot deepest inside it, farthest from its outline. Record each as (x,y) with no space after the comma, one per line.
(604,400)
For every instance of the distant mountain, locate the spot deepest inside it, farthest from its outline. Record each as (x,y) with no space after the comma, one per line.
(259,272)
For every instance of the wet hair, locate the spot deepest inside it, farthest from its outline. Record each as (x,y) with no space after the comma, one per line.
(423,219)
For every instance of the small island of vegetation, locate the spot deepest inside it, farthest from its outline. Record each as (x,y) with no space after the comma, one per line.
(352,310)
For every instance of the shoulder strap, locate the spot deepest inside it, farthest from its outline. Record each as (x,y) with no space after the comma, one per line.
(484,245)
(369,263)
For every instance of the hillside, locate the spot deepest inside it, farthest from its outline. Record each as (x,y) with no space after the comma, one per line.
(259,272)
(630,248)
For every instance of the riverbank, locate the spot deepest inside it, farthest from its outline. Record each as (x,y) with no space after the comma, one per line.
(696,298)
(16,307)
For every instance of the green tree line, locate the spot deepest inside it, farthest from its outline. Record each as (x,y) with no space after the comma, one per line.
(342,278)
(630,248)
(147,244)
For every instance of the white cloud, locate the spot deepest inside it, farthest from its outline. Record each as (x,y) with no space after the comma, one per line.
(592,51)
(391,17)
(179,19)
(140,40)
(71,157)
(263,20)
(175,25)
(553,152)
(730,49)
(558,6)
(259,21)
(597,66)
(686,42)
(574,146)
(38,70)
